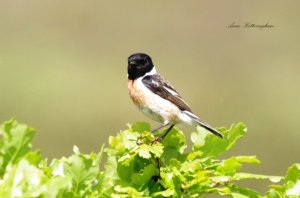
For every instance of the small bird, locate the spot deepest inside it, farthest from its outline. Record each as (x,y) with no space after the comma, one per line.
(156,97)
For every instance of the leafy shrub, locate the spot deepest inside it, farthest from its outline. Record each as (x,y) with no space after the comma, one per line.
(137,165)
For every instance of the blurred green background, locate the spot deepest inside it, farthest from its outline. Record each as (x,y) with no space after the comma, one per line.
(63,69)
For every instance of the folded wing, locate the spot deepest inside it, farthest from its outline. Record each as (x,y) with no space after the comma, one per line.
(164,89)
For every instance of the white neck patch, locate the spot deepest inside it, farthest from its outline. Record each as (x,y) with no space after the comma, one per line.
(152,72)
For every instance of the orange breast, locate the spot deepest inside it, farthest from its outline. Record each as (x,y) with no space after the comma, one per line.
(135,94)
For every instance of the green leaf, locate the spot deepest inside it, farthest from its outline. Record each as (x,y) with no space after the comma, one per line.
(124,141)
(293,173)
(110,176)
(174,144)
(140,127)
(129,192)
(34,157)
(213,146)
(232,165)
(237,191)
(140,179)
(238,195)
(175,139)
(292,178)
(166,193)
(125,171)
(294,191)
(82,169)
(242,176)
(26,180)
(15,142)
(274,194)
(291,187)
(145,150)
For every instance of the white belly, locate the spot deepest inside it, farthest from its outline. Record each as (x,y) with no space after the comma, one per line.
(152,105)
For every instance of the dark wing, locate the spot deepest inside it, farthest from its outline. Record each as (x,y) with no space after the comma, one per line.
(164,89)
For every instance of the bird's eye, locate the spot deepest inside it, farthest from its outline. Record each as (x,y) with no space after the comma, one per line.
(145,62)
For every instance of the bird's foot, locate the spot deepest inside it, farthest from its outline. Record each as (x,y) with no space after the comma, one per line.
(157,140)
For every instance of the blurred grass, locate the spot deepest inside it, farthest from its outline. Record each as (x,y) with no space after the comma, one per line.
(63,69)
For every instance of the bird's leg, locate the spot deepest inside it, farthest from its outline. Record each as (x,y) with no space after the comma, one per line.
(159,139)
(166,133)
(161,126)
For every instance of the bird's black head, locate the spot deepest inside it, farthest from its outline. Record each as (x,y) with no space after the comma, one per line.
(138,65)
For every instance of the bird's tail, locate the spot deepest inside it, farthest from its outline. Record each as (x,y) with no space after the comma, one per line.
(209,128)
(203,124)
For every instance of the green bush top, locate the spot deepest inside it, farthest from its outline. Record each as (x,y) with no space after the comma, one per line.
(136,165)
